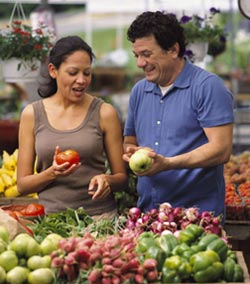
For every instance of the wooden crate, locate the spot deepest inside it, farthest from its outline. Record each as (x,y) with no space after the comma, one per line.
(17,200)
(242,263)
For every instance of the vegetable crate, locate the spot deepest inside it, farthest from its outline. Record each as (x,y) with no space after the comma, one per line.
(17,201)
(242,263)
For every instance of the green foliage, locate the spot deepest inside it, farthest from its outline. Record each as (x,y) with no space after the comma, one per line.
(202,29)
(127,198)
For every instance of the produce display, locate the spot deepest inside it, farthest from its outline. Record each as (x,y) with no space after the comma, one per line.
(8,186)
(237,176)
(114,251)
(165,245)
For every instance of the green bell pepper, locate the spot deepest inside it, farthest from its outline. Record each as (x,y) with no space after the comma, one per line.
(191,233)
(206,240)
(157,253)
(175,269)
(220,247)
(231,254)
(145,240)
(233,272)
(167,243)
(184,250)
(206,266)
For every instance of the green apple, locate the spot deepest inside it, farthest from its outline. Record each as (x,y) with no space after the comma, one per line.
(140,162)
(17,275)
(4,234)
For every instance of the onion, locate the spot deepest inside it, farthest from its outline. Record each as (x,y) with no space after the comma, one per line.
(166,232)
(134,213)
(192,214)
(165,207)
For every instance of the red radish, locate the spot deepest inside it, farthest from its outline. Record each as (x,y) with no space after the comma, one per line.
(95,275)
(152,275)
(150,264)
(139,279)
(57,262)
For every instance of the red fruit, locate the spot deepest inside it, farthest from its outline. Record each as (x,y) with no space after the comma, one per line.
(70,156)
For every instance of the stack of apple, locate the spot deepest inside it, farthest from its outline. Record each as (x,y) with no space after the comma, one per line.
(24,260)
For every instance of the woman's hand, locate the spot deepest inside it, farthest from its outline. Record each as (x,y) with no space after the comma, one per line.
(99,187)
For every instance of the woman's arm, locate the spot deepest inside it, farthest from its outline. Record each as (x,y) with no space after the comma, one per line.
(27,181)
(111,125)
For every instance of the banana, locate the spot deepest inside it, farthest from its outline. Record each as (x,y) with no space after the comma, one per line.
(7,180)
(15,155)
(2,185)
(7,172)
(11,191)
(8,161)
(14,176)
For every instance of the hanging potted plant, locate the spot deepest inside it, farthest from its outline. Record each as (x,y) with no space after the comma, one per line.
(22,50)
(204,33)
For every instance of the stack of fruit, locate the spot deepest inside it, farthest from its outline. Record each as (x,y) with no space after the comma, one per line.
(24,260)
(237,176)
(8,187)
(8,170)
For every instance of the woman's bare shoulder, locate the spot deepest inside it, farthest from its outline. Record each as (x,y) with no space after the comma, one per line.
(28,111)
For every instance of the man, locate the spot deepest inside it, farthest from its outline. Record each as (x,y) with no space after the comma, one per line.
(181,112)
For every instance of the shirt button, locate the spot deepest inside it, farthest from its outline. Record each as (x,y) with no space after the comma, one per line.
(158,122)
(161,101)
(156,143)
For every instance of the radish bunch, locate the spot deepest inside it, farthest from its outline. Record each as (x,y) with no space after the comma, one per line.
(168,219)
(104,260)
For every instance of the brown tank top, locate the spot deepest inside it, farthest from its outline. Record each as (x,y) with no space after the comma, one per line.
(87,140)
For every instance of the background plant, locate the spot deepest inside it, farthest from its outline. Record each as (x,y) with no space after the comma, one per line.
(206,29)
(20,41)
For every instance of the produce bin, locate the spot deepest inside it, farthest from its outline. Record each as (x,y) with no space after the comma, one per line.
(17,200)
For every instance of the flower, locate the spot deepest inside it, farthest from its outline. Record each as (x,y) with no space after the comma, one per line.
(22,42)
(198,29)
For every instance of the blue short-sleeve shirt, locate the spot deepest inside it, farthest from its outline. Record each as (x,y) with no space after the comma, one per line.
(172,125)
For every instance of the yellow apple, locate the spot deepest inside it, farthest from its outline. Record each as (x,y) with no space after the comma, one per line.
(140,162)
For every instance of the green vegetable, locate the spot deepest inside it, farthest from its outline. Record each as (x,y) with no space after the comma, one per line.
(183,250)
(64,223)
(175,269)
(214,242)
(167,243)
(233,272)
(206,266)
(220,247)
(145,241)
(231,254)
(191,233)
(206,240)
(157,253)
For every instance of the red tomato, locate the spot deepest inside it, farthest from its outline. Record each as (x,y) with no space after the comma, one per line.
(70,156)
(33,209)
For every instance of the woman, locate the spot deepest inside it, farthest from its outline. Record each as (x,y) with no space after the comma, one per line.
(69,118)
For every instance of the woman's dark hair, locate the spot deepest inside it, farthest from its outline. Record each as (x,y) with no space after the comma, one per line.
(58,54)
(164,27)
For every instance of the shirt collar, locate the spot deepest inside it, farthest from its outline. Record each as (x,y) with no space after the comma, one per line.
(182,81)
(184,78)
